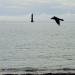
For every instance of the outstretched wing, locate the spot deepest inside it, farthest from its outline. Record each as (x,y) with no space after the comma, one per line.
(58,21)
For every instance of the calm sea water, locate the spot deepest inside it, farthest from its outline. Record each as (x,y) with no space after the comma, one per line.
(37,46)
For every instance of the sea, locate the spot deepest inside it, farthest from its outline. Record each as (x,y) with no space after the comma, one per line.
(38,47)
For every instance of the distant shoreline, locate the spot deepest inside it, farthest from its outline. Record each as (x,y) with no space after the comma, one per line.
(40,74)
(34,71)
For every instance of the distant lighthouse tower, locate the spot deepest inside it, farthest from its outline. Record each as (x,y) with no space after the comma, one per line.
(32,18)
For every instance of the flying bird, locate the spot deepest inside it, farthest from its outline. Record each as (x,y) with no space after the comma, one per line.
(57,19)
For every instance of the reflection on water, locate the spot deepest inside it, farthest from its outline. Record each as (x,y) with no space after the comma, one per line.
(37,46)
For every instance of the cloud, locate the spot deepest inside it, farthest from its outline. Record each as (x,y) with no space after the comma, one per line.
(69,5)
(22,7)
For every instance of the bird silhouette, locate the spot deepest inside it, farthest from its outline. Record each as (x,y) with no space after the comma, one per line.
(57,20)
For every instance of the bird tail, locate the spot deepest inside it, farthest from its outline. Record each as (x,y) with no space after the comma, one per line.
(61,19)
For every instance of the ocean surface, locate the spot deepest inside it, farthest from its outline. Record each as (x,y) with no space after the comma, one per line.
(37,47)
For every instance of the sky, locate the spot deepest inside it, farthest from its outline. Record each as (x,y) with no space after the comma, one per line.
(38,7)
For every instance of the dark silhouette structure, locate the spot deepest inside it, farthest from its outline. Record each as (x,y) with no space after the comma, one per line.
(32,18)
(57,19)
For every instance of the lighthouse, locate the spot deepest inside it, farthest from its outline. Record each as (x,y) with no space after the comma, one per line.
(32,18)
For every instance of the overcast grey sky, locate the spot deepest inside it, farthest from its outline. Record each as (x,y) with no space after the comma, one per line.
(25,7)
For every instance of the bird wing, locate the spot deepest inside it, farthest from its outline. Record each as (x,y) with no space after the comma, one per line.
(58,21)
